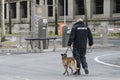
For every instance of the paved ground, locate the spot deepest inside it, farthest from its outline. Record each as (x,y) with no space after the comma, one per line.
(16,64)
(103,65)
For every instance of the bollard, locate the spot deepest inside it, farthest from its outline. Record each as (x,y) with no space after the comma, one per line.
(65,36)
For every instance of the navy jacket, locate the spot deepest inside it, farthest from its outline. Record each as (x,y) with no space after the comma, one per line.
(80,35)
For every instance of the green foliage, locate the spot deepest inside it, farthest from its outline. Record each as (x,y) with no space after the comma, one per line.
(3,39)
(115,35)
(50,33)
(111,35)
(95,34)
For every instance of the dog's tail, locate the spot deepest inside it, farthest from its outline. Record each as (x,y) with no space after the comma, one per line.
(76,65)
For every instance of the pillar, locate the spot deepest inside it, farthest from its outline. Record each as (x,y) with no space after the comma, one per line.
(89,8)
(71,9)
(108,8)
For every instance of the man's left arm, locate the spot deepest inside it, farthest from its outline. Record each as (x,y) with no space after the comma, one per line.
(90,38)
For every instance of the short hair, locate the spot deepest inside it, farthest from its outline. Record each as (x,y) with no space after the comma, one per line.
(79,20)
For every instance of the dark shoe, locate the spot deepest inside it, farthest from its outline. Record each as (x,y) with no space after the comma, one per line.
(86,71)
(77,73)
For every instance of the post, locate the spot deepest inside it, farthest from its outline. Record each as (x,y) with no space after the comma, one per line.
(30,14)
(54,45)
(10,22)
(56,17)
(104,33)
(85,10)
(32,17)
(65,36)
(2,22)
(64,11)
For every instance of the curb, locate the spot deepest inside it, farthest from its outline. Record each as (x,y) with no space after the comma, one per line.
(23,51)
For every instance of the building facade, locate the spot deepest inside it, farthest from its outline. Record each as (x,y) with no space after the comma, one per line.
(67,10)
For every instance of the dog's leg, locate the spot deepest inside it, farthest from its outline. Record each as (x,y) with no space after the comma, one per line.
(65,70)
(71,70)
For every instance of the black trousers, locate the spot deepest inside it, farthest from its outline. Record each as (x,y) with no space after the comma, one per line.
(79,55)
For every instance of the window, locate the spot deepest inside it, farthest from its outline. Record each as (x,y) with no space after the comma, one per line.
(5,11)
(13,10)
(23,9)
(50,2)
(117,6)
(38,2)
(50,11)
(61,7)
(98,6)
(50,8)
(79,7)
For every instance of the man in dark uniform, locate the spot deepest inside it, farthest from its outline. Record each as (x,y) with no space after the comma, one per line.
(79,36)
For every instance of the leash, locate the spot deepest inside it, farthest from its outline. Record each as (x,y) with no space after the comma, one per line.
(68,49)
(89,50)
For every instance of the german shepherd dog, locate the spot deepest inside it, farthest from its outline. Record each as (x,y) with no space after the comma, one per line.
(69,62)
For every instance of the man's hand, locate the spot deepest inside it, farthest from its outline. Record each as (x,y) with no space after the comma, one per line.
(89,47)
(69,46)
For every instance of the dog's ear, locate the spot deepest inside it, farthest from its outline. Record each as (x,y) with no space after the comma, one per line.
(61,54)
(65,54)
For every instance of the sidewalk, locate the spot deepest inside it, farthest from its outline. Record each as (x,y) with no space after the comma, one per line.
(17,46)
(11,51)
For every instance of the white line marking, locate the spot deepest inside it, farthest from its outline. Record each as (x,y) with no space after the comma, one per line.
(97,60)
